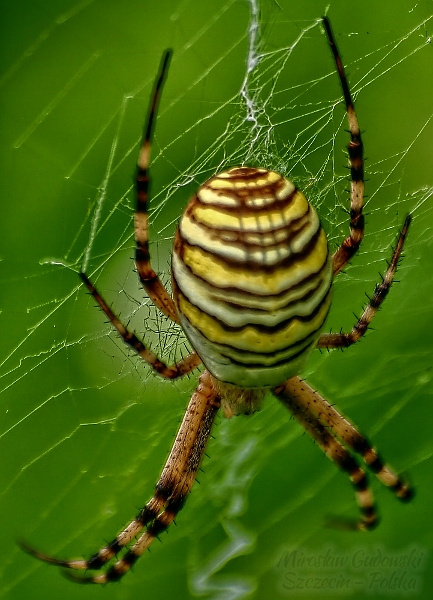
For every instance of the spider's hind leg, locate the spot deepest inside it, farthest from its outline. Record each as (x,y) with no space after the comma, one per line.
(320,409)
(325,424)
(172,489)
(335,451)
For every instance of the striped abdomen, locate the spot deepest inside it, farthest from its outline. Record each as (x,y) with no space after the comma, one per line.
(251,277)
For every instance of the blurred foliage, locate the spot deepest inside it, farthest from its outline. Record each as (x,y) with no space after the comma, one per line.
(84,427)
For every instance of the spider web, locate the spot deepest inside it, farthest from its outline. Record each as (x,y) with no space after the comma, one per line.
(85,427)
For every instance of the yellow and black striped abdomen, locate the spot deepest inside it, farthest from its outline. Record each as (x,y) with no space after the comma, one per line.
(251,277)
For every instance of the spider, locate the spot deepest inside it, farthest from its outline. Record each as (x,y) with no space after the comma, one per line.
(252,276)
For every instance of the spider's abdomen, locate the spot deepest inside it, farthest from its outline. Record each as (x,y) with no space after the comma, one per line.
(251,277)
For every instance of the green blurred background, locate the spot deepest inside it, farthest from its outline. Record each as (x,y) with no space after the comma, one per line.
(84,427)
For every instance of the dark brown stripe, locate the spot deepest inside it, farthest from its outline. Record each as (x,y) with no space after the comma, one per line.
(265,329)
(242,208)
(97,561)
(148,514)
(247,175)
(259,364)
(238,238)
(355,149)
(368,511)
(116,572)
(262,311)
(242,173)
(180,244)
(402,491)
(260,357)
(157,527)
(245,293)
(376,466)
(361,485)
(347,463)
(142,187)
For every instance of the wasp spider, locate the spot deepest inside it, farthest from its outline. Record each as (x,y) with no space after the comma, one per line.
(252,278)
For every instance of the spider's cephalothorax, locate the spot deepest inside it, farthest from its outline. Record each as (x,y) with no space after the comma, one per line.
(252,278)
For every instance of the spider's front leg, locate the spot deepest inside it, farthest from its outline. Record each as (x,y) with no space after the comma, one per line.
(172,489)
(148,277)
(356,161)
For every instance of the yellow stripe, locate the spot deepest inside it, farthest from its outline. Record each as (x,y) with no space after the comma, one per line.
(218,273)
(194,287)
(223,181)
(261,221)
(249,338)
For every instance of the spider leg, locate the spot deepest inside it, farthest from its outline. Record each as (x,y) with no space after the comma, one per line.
(329,416)
(184,366)
(343,340)
(148,277)
(351,244)
(292,395)
(172,489)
